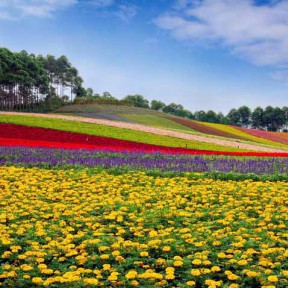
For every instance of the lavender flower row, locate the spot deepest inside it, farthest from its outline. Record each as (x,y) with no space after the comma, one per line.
(43,157)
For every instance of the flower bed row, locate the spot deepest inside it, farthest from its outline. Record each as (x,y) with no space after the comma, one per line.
(131,160)
(201,127)
(264,134)
(19,135)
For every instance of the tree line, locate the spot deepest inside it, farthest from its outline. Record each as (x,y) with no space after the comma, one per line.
(43,83)
(29,82)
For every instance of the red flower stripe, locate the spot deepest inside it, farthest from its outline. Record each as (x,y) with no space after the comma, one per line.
(263,134)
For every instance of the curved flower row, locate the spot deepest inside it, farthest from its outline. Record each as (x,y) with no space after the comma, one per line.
(264,134)
(45,157)
(19,135)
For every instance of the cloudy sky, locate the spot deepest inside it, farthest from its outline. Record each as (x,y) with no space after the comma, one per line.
(203,54)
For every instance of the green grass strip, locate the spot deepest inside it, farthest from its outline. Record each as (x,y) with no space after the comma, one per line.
(156,121)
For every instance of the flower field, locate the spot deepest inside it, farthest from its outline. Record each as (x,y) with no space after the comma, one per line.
(81,210)
(67,228)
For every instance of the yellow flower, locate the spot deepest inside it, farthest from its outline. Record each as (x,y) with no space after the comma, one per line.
(166,248)
(178,263)
(37,280)
(106,267)
(90,281)
(215,269)
(242,262)
(195,272)
(144,254)
(273,278)
(232,277)
(132,274)
(170,276)
(196,262)
(191,283)
(104,256)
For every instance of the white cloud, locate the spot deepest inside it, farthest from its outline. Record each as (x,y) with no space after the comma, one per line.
(101,3)
(256,33)
(126,12)
(15,9)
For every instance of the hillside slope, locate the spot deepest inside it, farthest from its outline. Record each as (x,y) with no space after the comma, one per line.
(121,130)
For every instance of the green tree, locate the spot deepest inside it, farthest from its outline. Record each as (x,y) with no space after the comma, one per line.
(200,116)
(157,105)
(245,116)
(212,117)
(137,100)
(257,118)
(234,117)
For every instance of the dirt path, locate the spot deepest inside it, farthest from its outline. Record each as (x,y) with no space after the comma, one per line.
(158,131)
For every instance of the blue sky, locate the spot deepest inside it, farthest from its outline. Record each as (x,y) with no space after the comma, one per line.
(203,54)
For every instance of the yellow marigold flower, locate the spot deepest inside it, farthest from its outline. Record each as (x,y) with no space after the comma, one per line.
(132,274)
(144,254)
(234,285)
(195,272)
(170,277)
(242,262)
(221,255)
(166,248)
(206,262)
(119,258)
(26,276)
(106,267)
(37,280)
(273,278)
(103,248)
(177,258)
(135,283)
(170,270)
(6,254)
(116,253)
(160,261)
(252,274)
(178,263)
(215,269)
(26,267)
(90,281)
(191,283)
(216,243)
(212,283)
(47,271)
(232,277)
(196,262)
(104,256)
(113,277)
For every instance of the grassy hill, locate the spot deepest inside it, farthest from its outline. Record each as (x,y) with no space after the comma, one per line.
(161,120)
